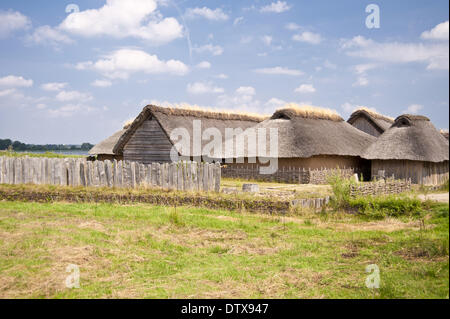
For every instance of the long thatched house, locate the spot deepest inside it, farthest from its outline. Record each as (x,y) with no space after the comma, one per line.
(370,122)
(152,136)
(412,148)
(310,138)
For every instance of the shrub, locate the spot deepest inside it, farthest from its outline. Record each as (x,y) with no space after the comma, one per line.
(445,186)
(341,191)
(389,205)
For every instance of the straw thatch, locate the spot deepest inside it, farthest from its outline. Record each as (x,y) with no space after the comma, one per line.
(311,132)
(378,121)
(444,133)
(306,111)
(170,119)
(106,146)
(411,137)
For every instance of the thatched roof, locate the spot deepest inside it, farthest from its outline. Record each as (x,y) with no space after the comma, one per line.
(444,133)
(411,137)
(381,122)
(173,118)
(106,146)
(312,132)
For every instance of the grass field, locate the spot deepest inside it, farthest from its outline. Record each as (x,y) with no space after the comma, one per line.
(134,251)
(46,154)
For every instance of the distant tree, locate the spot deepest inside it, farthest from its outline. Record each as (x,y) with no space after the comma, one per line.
(4,144)
(86,146)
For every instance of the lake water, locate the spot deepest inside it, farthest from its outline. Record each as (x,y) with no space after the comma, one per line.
(68,152)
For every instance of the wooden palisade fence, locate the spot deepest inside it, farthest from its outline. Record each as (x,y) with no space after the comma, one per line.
(185,176)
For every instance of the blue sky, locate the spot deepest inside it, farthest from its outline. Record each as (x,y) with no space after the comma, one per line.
(72,77)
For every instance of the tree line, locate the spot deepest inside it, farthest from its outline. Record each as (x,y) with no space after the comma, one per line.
(19,146)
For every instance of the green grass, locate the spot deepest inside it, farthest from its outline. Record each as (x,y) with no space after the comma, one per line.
(387,205)
(142,251)
(46,154)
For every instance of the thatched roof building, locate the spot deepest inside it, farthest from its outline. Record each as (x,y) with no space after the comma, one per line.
(149,138)
(105,149)
(370,122)
(309,137)
(411,148)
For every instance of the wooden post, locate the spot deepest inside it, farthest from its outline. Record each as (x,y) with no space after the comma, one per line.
(120,179)
(2,170)
(179,176)
(217,177)
(108,173)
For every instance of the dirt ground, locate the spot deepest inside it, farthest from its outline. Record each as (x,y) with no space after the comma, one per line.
(440,197)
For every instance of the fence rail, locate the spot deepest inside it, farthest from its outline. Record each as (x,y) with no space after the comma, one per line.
(294,175)
(380,188)
(185,176)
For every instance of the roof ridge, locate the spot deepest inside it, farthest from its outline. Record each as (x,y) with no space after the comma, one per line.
(205,113)
(291,111)
(373,114)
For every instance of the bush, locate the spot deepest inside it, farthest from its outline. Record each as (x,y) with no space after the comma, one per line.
(341,191)
(389,205)
(445,186)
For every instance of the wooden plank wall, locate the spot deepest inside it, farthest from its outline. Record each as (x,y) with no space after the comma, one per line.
(425,173)
(185,176)
(149,144)
(364,125)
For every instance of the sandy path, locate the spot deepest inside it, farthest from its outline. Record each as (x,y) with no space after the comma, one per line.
(441,197)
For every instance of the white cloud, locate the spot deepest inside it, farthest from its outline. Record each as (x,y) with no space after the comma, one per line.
(292,26)
(361,81)
(305,88)
(222,76)
(65,96)
(275,103)
(246,39)
(243,99)
(203,88)
(308,37)
(12,81)
(122,63)
(70,110)
(278,70)
(246,90)
(276,7)
(349,107)
(204,65)
(101,83)
(439,32)
(48,35)
(12,21)
(238,20)
(53,86)
(413,109)
(213,49)
(363,68)
(7,92)
(436,56)
(329,65)
(267,39)
(207,13)
(120,19)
